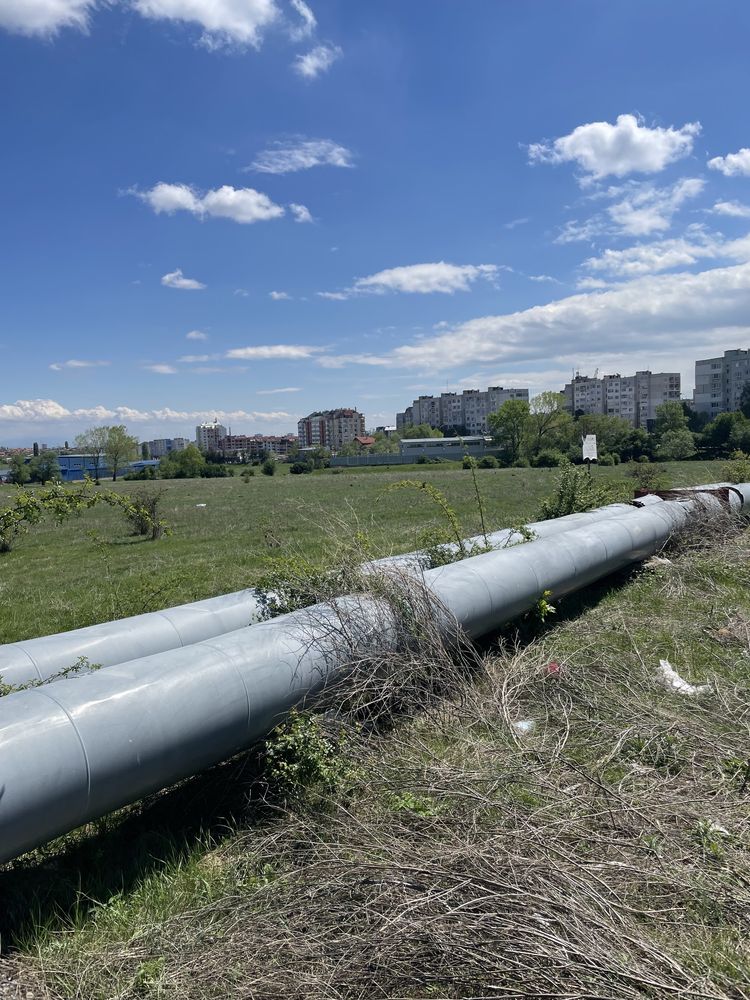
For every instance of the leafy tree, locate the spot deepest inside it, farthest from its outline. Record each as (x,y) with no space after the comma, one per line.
(145,451)
(268,468)
(44,467)
(612,433)
(745,400)
(508,426)
(718,435)
(422,431)
(19,470)
(670,416)
(120,448)
(676,445)
(93,442)
(549,421)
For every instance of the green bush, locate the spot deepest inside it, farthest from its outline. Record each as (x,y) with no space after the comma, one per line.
(576,490)
(737,470)
(269,467)
(549,459)
(299,468)
(521,463)
(468,462)
(606,459)
(488,462)
(247,474)
(649,477)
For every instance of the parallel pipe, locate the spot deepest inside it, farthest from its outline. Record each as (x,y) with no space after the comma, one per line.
(76,749)
(108,643)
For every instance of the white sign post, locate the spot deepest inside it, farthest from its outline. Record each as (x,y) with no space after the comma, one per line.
(589,449)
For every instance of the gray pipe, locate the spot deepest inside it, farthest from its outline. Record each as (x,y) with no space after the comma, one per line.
(78,748)
(108,643)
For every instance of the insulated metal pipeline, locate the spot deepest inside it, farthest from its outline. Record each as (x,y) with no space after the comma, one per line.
(108,643)
(76,749)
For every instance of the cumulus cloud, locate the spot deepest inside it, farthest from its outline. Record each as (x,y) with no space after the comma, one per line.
(629,146)
(224,22)
(63,365)
(421,279)
(300,212)
(286,157)
(732,208)
(176,279)
(267,352)
(316,61)
(733,164)
(196,335)
(243,205)
(45,17)
(663,255)
(50,411)
(161,369)
(280,296)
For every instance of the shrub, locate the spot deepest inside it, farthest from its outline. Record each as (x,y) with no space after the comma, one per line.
(649,477)
(143,512)
(269,467)
(488,462)
(302,761)
(575,491)
(468,462)
(521,463)
(247,474)
(606,459)
(299,468)
(737,470)
(549,459)
(210,471)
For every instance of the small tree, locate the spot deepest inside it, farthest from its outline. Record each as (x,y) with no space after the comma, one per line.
(19,470)
(120,448)
(508,426)
(548,421)
(44,467)
(676,446)
(745,400)
(269,467)
(93,442)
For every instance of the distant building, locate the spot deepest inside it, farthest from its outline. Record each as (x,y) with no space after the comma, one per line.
(469,410)
(207,435)
(330,428)
(76,467)
(247,447)
(719,382)
(635,398)
(161,447)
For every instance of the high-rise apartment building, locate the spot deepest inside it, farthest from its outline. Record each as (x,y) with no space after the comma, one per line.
(467,412)
(253,446)
(330,428)
(207,435)
(632,397)
(719,382)
(161,447)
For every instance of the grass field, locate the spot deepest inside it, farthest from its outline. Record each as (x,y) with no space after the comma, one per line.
(598,851)
(90,570)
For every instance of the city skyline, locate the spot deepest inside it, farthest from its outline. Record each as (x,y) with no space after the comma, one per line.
(326,204)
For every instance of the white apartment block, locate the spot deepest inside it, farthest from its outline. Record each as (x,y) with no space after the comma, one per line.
(469,409)
(719,382)
(632,397)
(207,436)
(330,428)
(161,447)
(248,447)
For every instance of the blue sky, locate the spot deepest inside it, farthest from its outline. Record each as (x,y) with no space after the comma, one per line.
(342,203)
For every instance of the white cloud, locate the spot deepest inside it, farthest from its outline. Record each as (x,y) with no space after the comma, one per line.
(421,279)
(224,22)
(300,212)
(62,365)
(301,154)
(242,292)
(516,222)
(280,296)
(191,359)
(243,205)
(628,146)
(161,369)
(732,208)
(196,335)
(175,279)
(45,17)
(733,164)
(290,352)
(306,24)
(50,411)
(646,209)
(275,392)
(544,277)
(649,258)
(316,61)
